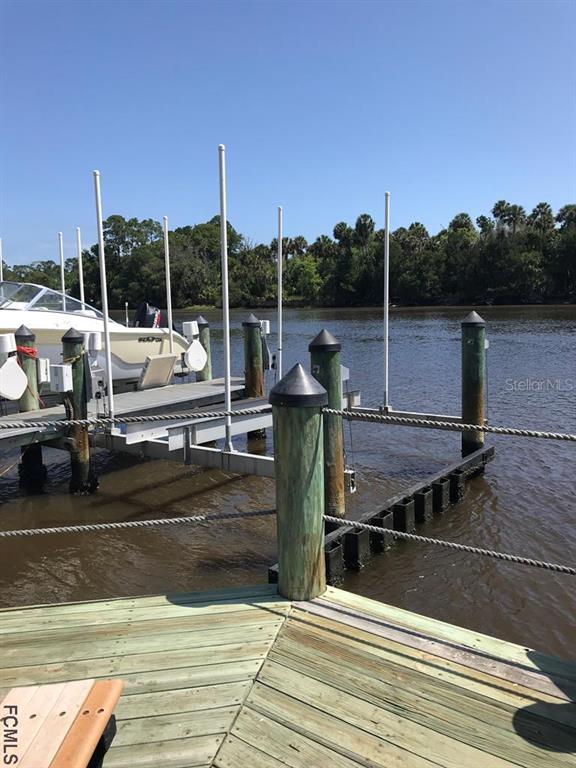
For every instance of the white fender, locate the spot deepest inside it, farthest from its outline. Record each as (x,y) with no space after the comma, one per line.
(13,381)
(195,356)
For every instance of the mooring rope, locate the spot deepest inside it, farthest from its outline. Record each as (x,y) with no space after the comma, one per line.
(378,418)
(109,421)
(517,559)
(98,527)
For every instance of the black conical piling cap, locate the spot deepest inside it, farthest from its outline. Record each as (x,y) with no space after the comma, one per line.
(202,322)
(72,336)
(25,333)
(473,319)
(325,342)
(298,388)
(251,321)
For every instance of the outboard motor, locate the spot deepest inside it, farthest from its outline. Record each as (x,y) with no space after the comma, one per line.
(147,316)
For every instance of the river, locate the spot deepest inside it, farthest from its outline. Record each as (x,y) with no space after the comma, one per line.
(525,503)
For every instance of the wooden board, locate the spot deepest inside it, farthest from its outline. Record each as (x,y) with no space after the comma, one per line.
(243,678)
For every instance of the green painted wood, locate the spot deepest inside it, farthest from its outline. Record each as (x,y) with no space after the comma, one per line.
(393,660)
(298,452)
(183,700)
(444,709)
(282,743)
(183,677)
(153,730)
(325,367)
(204,338)
(32,471)
(234,753)
(195,752)
(207,597)
(562,688)
(132,627)
(492,646)
(133,663)
(349,740)
(473,382)
(253,365)
(120,646)
(405,734)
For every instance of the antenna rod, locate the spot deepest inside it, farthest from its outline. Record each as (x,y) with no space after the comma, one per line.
(80,268)
(280,297)
(386,293)
(168,284)
(62,277)
(225,307)
(104,292)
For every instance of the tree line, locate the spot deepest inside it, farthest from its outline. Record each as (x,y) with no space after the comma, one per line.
(507,257)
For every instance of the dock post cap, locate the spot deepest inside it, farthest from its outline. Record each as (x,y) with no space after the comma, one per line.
(298,388)
(72,335)
(473,319)
(251,321)
(325,342)
(202,322)
(25,333)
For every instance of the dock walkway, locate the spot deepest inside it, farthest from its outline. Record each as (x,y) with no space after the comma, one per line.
(244,678)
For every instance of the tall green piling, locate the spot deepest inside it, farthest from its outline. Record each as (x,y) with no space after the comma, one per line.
(204,338)
(473,380)
(253,364)
(326,368)
(82,479)
(32,472)
(297,401)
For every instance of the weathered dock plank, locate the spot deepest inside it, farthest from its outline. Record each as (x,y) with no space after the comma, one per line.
(242,677)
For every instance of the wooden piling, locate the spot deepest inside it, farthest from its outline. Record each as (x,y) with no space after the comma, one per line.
(297,401)
(253,365)
(325,365)
(473,380)
(204,338)
(83,480)
(31,470)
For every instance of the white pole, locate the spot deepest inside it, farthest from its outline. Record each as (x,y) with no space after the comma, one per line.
(225,307)
(62,278)
(168,285)
(80,268)
(1,262)
(280,297)
(386,293)
(104,292)
(126,314)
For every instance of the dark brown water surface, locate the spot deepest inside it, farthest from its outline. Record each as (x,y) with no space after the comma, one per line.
(524,504)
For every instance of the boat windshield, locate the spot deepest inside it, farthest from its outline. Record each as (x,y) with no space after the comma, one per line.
(36,298)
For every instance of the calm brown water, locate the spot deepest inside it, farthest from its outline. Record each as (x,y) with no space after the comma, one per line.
(524,504)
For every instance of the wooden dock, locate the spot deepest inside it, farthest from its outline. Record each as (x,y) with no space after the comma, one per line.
(173,398)
(244,678)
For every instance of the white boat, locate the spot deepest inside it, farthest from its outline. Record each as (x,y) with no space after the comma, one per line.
(49,314)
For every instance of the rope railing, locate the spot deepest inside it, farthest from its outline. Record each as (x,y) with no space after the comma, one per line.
(101,421)
(131,524)
(516,559)
(350,415)
(194,519)
(377,418)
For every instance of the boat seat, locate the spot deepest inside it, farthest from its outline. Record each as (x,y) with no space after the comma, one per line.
(61,725)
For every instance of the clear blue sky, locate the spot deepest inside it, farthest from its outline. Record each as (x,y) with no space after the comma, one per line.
(322,106)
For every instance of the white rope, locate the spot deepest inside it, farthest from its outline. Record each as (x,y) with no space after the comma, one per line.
(405,421)
(453,545)
(109,421)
